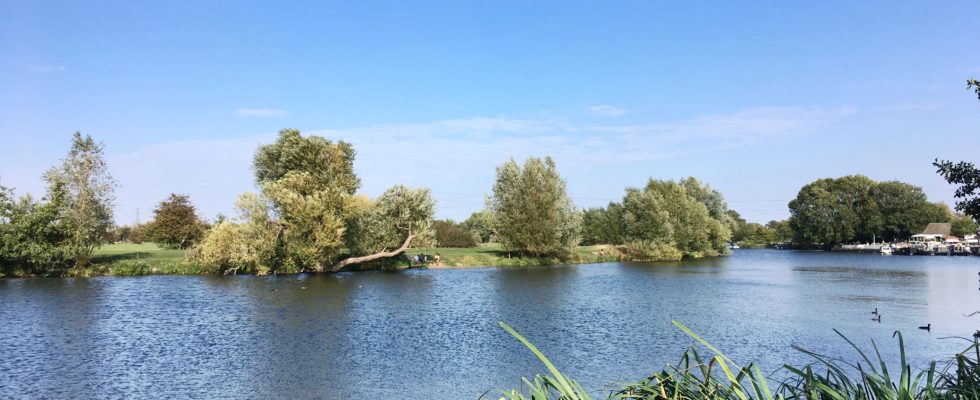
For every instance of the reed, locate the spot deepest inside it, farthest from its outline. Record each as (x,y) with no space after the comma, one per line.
(719,377)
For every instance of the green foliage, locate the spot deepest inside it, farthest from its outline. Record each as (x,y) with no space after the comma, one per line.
(857,209)
(721,378)
(647,250)
(781,230)
(248,245)
(554,386)
(667,214)
(31,237)
(86,192)
(310,182)
(482,223)
(665,220)
(383,224)
(602,225)
(963,225)
(973,84)
(175,223)
(452,234)
(533,213)
(967,176)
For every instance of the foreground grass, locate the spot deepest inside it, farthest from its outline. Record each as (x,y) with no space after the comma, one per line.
(719,378)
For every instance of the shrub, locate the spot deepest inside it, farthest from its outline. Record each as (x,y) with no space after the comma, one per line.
(451,234)
(650,251)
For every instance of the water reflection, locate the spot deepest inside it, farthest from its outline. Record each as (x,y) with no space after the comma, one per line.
(434,334)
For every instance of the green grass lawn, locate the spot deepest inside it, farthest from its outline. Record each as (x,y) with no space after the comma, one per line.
(148,252)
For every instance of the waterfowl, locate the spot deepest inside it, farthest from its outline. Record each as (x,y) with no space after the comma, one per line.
(927,327)
(878,318)
(875,312)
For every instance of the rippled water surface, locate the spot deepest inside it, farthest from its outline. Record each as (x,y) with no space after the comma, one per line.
(434,334)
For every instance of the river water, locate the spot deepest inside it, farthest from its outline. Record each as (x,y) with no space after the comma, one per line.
(433,334)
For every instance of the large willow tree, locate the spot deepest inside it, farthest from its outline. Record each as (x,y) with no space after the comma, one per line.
(532,211)
(307,216)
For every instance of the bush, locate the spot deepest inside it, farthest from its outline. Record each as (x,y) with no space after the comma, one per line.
(650,251)
(451,234)
(131,268)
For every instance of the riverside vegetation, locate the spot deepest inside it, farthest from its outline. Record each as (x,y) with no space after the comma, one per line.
(716,376)
(307,216)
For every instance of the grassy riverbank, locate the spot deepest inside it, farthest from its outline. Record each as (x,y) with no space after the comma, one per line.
(126,259)
(492,254)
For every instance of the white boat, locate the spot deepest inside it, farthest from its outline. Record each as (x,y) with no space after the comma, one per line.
(886,250)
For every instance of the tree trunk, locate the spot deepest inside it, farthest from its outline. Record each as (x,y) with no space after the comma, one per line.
(384,254)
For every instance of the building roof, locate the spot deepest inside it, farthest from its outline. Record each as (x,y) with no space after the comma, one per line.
(938,228)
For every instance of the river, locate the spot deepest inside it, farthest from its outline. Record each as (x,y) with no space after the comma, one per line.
(433,334)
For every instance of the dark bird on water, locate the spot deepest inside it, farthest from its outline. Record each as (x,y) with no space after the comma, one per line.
(875,312)
(927,327)
(878,318)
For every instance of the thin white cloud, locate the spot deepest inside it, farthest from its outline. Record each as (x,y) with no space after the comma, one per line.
(607,111)
(44,68)
(260,112)
(910,107)
(457,158)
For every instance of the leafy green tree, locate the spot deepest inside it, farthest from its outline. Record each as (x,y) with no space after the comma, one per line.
(855,208)
(310,185)
(963,225)
(967,176)
(964,174)
(904,208)
(602,225)
(248,244)
(399,219)
(31,237)
(739,226)
(310,182)
(695,232)
(481,223)
(175,223)
(534,214)
(818,216)
(669,220)
(781,231)
(452,234)
(88,194)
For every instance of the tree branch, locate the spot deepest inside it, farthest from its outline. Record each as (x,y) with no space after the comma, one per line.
(383,254)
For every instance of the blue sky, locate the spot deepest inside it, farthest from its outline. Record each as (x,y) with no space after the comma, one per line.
(755,98)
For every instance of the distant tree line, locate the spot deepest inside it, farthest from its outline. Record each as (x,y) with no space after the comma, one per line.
(306,215)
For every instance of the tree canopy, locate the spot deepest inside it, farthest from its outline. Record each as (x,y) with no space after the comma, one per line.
(175,223)
(967,176)
(307,216)
(85,192)
(664,220)
(533,213)
(855,208)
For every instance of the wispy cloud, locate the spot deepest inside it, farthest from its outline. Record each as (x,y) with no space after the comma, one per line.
(260,112)
(910,107)
(457,158)
(44,68)
(607,111)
